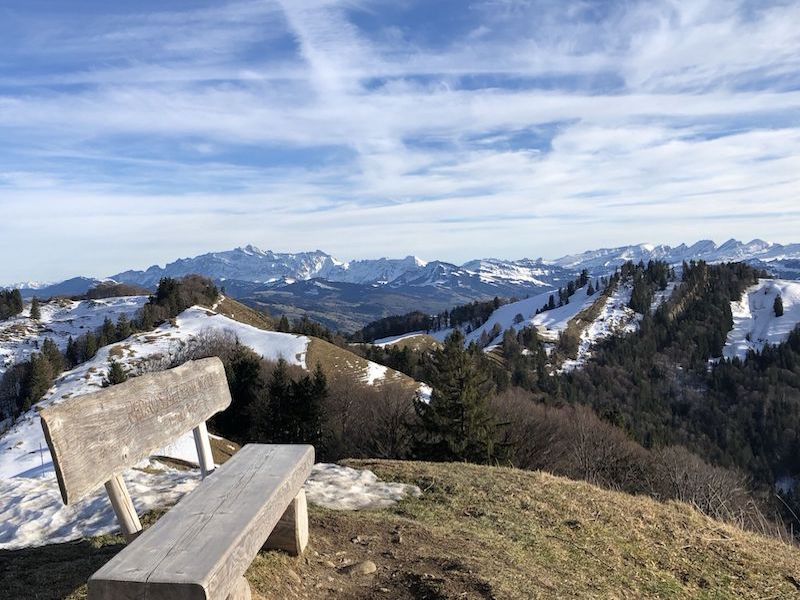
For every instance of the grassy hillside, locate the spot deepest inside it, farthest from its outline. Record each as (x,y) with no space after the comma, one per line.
(336,362)
(244,314)
(483,532)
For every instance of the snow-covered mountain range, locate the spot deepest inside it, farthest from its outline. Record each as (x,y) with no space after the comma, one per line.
(347,295)
(249,263)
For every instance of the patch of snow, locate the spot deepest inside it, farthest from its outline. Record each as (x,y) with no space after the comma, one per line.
(393,339)
(272,345)
(662,296)
(375,372)
(754,322)
(424,391)
(33,514)
(343,488)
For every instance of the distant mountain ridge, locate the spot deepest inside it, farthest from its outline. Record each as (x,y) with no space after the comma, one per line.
(731,251)
(347,295)
(249,263)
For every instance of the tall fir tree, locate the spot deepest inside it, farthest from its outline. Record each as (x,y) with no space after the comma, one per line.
(53,355)
(36,312)
(123,329)
(38,381)
(456,424)
(778,306)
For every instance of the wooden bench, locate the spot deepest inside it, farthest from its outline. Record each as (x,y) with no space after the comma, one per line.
(202,546)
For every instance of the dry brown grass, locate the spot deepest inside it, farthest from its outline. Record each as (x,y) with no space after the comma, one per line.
(244,314)
(337,362)
(418,343)
(482,532)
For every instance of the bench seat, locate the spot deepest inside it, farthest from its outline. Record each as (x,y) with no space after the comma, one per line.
(201,548)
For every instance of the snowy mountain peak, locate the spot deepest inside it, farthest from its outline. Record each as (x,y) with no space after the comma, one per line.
(252,250)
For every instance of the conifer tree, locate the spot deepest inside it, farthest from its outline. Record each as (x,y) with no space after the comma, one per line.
(36,312)
(116,374)
(53,355)
(108,331)
(72,353)
(123,329)
(280,403)
(38,380)
(456,424)
(91,346)
(778,306)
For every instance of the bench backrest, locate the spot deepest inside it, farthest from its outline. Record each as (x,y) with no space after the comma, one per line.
(95,437)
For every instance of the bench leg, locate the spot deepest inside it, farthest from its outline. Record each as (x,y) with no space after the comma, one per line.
(291,532)
(123,508)
(240,591)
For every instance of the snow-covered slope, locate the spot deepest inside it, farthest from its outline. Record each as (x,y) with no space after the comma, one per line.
(615,318)
(32,513)
(492,270)
(20,336)
(19,447)
(549,323)
(754,322)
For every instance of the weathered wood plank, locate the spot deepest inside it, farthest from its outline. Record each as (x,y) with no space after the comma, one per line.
(201,547)
(96,436)
(123,507)
(291,532)
(241,591)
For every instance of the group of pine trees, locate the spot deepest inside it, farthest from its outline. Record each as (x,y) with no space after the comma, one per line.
(561,296)
(272,403)
(647,279)
(10,303)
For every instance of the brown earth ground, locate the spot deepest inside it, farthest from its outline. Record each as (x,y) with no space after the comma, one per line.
(480,532)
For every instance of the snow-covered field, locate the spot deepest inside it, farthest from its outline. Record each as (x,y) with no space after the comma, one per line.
(549,323)
(31,511)
(754,322)
(20,336)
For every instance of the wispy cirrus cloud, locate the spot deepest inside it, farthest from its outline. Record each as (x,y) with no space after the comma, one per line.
(372,127)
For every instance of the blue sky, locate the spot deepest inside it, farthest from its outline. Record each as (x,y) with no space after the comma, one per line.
(135,133)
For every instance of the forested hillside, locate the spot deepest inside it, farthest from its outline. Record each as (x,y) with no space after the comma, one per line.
(661,387)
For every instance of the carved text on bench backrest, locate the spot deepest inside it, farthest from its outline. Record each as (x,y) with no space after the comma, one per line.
(96,436)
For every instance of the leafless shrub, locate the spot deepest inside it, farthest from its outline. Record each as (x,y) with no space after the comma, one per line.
(368,421)
(209,342)
(724,494)
(570,441)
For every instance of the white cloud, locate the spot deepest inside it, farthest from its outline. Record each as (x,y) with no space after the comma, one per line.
(539,128)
